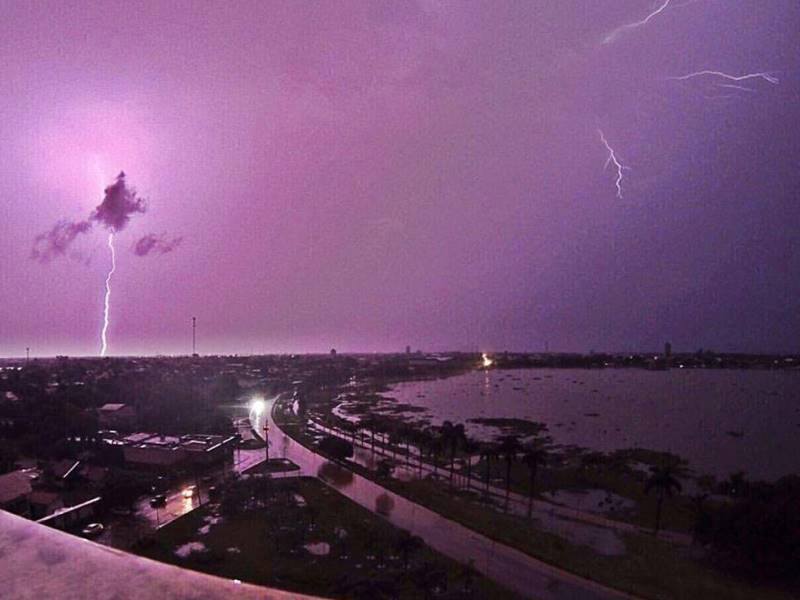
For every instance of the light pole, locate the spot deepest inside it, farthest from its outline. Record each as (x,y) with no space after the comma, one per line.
(266,439)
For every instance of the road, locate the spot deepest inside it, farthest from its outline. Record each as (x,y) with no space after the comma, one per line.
(516,570)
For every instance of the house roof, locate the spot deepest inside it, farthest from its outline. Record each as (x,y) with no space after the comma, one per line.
(13,486)
(43,498)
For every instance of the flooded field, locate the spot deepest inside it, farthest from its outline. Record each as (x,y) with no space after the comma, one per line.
(720,420)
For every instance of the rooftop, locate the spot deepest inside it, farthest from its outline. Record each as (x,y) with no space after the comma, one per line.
(42,562)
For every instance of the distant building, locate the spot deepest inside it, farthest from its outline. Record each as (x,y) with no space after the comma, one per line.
(408,349)
(667,350)
(15,487)
(151,450)
(116,416)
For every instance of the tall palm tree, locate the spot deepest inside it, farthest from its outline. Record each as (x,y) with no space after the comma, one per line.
(470,447)
(509,448)
(702,520)
(488,454)
(665,482)
(535,456)
(452,438)
(434,448)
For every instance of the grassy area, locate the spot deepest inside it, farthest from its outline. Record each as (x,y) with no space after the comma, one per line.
(366,558)
(651,568)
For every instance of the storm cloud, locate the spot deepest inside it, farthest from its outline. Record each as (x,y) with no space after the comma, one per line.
(56,242)
(159,244)
(119,203)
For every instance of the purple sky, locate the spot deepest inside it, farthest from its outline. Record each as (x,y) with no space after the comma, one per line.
(370,175)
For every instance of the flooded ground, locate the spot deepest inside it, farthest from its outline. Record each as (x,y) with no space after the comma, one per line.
(720,420)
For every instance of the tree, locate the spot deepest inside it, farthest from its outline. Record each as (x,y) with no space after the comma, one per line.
(407,545)
(509,448)
(429,579)
(433,447)
(664,481)
(534,457)
(452,439)
(336,447)
(470,447)
(488,454)
(702,519)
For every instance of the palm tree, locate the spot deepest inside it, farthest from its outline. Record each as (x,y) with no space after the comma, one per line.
(664,480)
(509,448)
(452,438)
(702,519)
(534,457)
(470,447)
(370,422)
(488,454)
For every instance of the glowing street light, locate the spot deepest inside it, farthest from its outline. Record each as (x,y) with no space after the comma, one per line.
(486,361)
(257,405)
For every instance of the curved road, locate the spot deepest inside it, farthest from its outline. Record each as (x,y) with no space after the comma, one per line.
(516,570)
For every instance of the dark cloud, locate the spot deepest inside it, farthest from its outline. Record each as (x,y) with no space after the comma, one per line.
(57,241)
(119,203)
(155,243)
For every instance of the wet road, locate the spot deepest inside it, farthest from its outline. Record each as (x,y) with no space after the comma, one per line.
(509,567)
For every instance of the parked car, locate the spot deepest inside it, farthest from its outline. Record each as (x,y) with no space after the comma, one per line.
(189,491)
(158,500)
(213,492)
(93,530)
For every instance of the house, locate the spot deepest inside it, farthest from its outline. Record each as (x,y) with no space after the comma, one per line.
(44,503)
(116,416)
(15,487)
(153,451)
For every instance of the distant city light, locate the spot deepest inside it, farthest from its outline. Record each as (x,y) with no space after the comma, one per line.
(487,362)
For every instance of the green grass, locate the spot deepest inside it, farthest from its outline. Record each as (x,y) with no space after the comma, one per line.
(273,557)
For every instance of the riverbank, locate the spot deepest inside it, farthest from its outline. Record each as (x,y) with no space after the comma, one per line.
(649,567)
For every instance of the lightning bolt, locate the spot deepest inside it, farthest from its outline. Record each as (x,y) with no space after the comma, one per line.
(104,332)
(622,29)
(765,76)
(612,158)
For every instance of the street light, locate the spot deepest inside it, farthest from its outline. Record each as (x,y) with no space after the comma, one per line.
(257,405)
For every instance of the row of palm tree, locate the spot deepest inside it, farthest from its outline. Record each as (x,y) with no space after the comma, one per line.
(450,441)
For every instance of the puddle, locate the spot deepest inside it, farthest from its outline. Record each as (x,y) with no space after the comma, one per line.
(186,549)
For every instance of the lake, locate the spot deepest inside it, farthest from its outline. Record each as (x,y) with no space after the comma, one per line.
(721,421)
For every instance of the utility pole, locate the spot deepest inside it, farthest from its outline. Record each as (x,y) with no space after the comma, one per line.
(27,355)
(266,439)
(194,336)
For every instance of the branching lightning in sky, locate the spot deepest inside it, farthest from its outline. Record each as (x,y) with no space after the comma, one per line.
(612,158)
(707,72)
(622,29)
(104,332)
